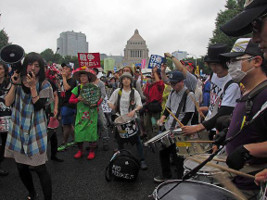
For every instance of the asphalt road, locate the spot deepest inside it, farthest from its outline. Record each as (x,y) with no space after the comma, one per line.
(83,179)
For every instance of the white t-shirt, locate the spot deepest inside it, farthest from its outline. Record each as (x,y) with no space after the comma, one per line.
(125,100)
(229,98)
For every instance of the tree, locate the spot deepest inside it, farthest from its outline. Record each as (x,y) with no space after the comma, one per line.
(3,38)
(233,7)
(48,55)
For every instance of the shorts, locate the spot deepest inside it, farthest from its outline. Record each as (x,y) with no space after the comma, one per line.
(67,115)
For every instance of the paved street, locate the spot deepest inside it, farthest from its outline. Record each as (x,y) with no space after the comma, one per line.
(83,179)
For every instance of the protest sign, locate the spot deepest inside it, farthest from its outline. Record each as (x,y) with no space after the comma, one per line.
(91,60)
(155,61)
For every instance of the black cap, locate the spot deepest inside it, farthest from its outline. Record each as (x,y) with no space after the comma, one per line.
(241,23)
(243,46)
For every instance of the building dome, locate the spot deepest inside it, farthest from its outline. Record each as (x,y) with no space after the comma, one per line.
(136,49)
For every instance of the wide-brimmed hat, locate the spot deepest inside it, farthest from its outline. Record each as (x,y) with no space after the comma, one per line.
(243,46)
(126,74)
(214,52)
(241,23)
(84,70)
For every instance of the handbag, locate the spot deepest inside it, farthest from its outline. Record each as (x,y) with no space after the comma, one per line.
(154,107)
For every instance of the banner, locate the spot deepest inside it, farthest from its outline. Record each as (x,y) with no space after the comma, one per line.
(91,60)
(143,63)
(109,64)
(197,70)
(155,61)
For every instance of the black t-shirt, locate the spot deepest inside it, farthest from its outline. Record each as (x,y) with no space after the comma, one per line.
(67,94)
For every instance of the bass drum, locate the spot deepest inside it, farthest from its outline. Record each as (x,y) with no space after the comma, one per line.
(191,190)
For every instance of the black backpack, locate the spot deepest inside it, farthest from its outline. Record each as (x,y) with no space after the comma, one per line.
(123,166)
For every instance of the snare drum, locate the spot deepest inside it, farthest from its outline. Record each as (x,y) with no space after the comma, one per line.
(160,138)
(126,126)
(186,148)
(207,172)
(191,190)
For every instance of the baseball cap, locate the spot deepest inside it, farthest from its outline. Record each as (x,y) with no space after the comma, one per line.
(241,23)
(176,76)
(243,46)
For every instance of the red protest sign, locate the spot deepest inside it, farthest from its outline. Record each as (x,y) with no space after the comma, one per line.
(91,60)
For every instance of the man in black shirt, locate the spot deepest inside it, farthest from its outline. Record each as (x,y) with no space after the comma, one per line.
(67,110)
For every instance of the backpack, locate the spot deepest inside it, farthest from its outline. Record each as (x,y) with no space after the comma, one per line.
(123,166)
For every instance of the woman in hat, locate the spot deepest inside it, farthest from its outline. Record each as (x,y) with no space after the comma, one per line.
(86,117)
(127,101)
(27,137)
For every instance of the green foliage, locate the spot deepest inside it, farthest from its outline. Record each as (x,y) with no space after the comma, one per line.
(51,57)
(233,7)
(3,38)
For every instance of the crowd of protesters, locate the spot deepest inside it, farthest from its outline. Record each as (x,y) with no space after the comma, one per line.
(41,98)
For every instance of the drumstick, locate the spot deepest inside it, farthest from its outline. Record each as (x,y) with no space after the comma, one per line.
(179,122)
(200,141)
(224,168)
(227,183)
(197,106)
(215,159)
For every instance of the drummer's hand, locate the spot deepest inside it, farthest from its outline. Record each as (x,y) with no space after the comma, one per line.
(237,158)
(160,122)
(189,130)
(261,177)
(131,114)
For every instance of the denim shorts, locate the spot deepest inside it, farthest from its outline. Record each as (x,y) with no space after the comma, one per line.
(67,115)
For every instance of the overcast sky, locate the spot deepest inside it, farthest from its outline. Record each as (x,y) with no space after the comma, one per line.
(167,25)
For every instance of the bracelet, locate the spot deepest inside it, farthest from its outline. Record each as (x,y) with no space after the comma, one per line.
(35,97)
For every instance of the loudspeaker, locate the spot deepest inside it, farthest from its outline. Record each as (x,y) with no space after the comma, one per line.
(11,54)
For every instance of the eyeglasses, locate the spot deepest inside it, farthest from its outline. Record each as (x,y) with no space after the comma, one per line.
(239,59)
(257,24)
(173,83)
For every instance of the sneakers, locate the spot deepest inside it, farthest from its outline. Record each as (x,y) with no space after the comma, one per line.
(143,165)
(91,155)
(62,147)
(69,144)
(159,179)
(79,154)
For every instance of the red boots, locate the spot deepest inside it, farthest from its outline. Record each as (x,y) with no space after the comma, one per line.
(91,155)
(79,154)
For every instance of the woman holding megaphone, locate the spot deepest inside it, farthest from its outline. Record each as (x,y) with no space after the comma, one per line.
(27,138)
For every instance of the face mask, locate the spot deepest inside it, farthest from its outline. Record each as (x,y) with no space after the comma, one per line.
(235,71)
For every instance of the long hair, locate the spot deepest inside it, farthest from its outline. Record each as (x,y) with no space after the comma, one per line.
(31,58)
